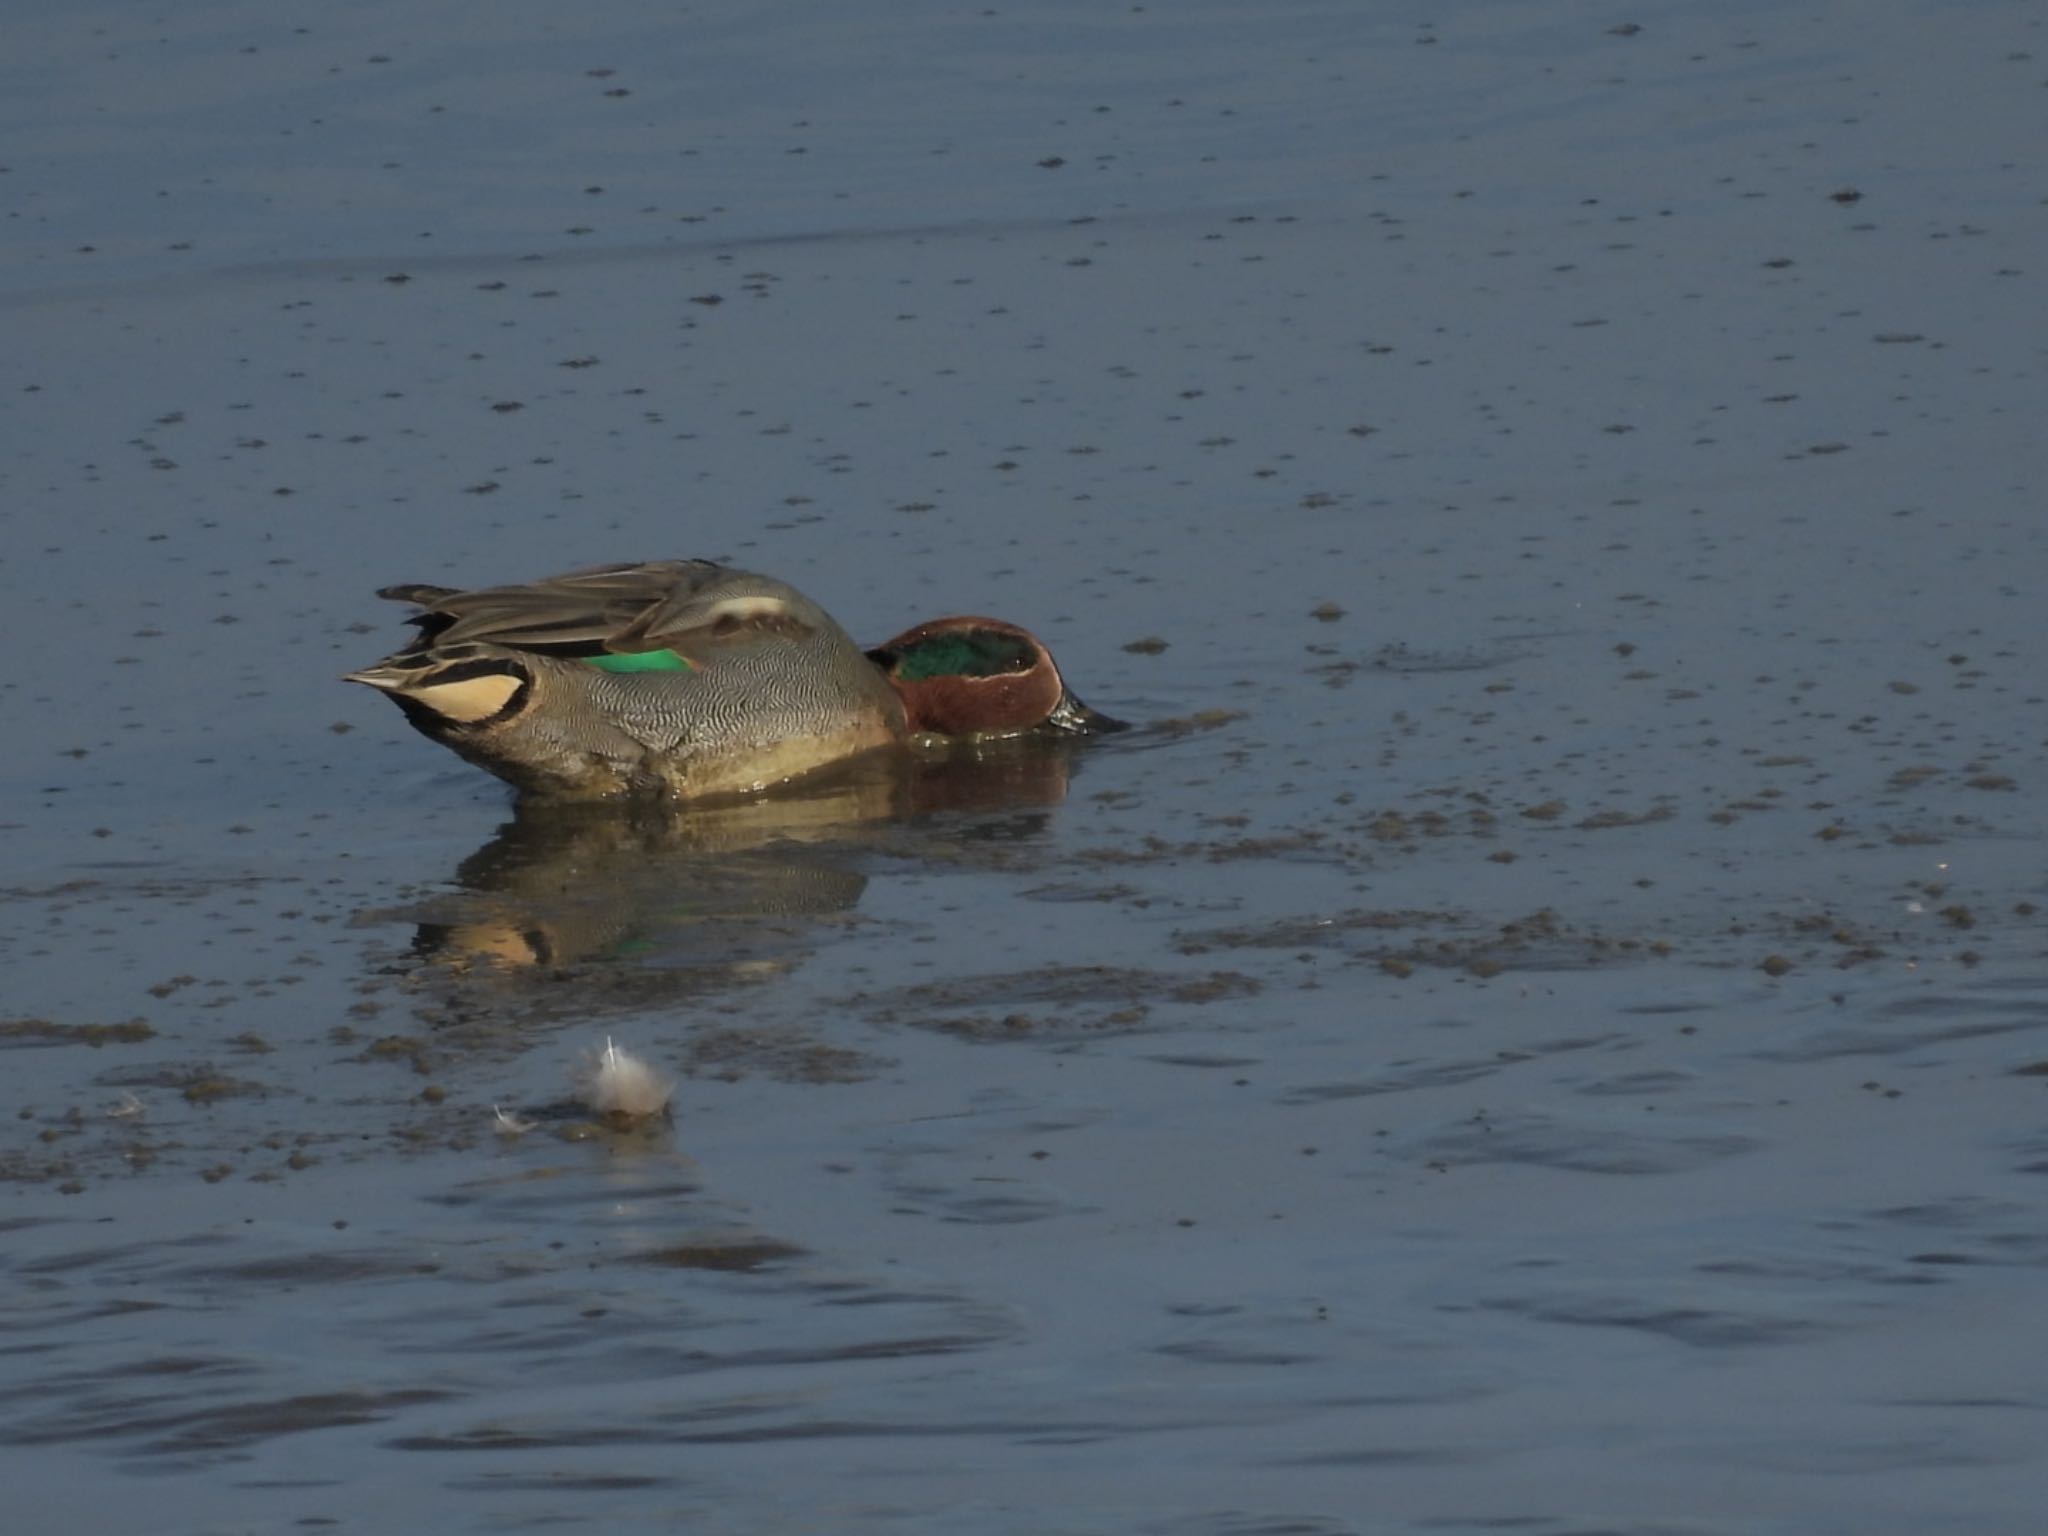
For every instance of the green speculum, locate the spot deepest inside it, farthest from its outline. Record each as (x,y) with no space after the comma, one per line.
(962,653)
(640,661)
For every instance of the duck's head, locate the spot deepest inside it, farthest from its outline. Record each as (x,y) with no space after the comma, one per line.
(966,676)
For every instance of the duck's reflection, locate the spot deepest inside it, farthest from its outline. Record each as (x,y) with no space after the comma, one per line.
(600,909)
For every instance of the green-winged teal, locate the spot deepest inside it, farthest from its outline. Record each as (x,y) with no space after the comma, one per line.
(691,679)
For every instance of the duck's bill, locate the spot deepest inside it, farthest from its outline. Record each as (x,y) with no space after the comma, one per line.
(1070,717)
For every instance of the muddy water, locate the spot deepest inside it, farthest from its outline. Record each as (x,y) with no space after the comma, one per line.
(1545,1022)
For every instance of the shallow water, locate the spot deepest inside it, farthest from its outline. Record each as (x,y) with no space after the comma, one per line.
(1543,1023)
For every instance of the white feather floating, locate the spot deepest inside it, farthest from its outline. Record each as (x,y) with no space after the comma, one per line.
(621,1086)
(510,1123)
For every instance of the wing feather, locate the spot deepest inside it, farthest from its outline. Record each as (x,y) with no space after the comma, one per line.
(627,609)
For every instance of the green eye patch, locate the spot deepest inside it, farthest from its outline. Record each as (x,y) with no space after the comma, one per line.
(963,653)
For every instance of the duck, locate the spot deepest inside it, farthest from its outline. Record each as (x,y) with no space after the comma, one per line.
(689,680)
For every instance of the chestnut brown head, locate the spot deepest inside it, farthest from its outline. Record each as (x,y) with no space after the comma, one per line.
(969,676)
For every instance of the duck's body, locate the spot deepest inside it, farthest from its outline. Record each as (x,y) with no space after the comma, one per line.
(688,679)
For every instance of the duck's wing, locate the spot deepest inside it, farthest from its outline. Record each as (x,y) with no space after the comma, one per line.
(624,609)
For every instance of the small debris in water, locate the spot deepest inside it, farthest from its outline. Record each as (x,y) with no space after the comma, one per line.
(619,1085)
(510,1124)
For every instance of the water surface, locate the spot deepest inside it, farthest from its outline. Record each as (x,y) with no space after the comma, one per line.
(1542,1024)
